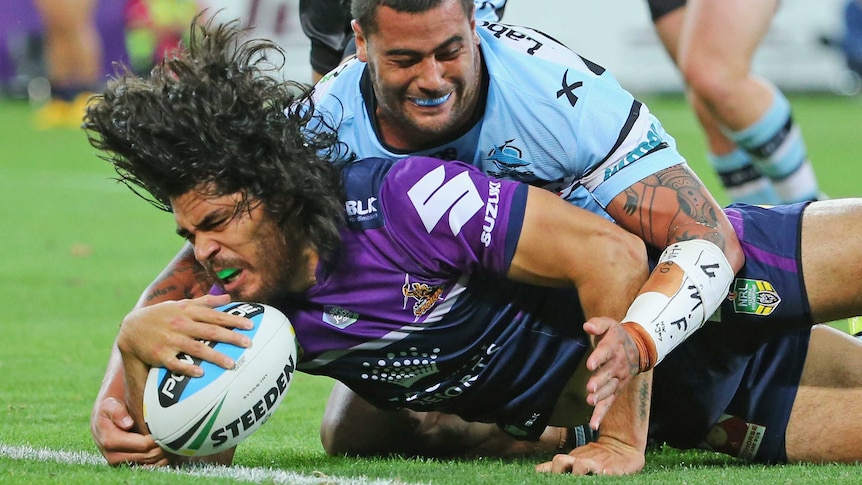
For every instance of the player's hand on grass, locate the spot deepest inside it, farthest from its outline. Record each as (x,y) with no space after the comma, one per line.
(613,362)
(156,334)
(112,430)
(607,456)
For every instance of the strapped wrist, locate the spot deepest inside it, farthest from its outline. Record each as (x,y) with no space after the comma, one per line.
(648,355)
(689,283)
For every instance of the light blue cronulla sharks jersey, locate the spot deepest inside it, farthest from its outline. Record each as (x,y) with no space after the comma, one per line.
(551,119)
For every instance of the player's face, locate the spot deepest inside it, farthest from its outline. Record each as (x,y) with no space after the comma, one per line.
(426,71)
(247,241)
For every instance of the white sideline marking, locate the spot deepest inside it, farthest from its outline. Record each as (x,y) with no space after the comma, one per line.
(239,473)
(70,457)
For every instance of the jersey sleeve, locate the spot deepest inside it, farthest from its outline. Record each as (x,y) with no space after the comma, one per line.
(334,97)
(622,140)
(451,217)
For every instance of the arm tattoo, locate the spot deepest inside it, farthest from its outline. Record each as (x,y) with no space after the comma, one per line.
(676,198)
(160,291)
(184,280)
(643,403)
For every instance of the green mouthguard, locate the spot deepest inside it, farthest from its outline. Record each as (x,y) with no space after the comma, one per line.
(226,273)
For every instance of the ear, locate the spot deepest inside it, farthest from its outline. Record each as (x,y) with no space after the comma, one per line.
(476,38)
(361,43)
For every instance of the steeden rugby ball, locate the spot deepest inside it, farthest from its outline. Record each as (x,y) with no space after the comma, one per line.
(195,416)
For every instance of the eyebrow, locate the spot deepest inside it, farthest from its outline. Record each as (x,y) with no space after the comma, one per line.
(409,52)
(208,222)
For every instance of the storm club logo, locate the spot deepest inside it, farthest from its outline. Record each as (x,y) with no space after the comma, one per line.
(426,295)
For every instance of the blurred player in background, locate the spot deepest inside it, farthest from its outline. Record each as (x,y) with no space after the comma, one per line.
(326,23)
(755,146)
(73,50)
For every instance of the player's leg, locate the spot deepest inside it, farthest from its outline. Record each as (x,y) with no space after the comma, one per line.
(812,420)
(717,45)
(73,50)
(73,45)
(352,426)
(832,258)
(734,166)
(825,424)
(797,400)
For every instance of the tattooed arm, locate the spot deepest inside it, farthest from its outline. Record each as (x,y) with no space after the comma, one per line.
(672,206)
(621,445)
(673,211)
(110,423)
(183,278)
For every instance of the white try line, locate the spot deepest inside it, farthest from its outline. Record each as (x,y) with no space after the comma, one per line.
(238,473)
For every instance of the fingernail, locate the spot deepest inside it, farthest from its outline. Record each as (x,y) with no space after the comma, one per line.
(197,372)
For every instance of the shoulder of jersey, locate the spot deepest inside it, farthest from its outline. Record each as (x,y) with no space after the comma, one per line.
(367,175)
(363,178)
(529,41)
(517,44)
(348,71)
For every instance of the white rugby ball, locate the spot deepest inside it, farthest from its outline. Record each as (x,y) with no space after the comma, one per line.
(196,416)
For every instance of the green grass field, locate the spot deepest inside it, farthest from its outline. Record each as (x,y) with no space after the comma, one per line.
(77,249)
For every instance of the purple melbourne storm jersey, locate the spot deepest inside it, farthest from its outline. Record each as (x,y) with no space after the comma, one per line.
(548,117)
(415,310)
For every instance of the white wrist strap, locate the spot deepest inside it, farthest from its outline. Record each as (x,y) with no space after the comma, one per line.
(702,277)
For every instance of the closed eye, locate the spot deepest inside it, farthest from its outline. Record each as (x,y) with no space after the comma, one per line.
(209,223)
(450,54)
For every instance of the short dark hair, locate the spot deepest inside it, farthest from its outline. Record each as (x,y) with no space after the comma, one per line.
(365,11)
(211,118)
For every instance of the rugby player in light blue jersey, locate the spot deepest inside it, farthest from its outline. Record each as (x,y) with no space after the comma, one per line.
(429,80)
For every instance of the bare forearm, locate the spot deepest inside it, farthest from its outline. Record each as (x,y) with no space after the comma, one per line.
(134,374)
(621,445)
(113,384)
(182,278)
(673,211)
(627,420)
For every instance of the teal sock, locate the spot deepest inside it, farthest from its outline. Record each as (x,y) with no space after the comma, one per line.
(741,180)
(778,152)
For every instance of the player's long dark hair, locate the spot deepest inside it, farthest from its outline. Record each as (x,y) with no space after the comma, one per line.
(211,118)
